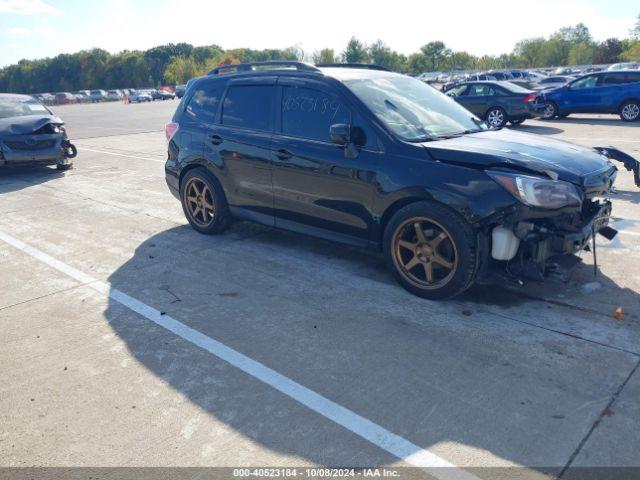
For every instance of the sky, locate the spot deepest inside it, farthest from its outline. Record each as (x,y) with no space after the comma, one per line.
(44,28)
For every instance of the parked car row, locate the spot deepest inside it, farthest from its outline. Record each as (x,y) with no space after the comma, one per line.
(100,95)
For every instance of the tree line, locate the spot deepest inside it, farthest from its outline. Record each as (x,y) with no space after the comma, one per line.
(176,63)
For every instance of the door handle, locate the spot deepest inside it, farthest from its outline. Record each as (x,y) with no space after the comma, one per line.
(283,154)
(215,139)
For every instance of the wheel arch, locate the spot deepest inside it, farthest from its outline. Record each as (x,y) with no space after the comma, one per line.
(628,99)
(420,195)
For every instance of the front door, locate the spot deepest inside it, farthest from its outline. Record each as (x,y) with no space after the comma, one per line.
(317,188)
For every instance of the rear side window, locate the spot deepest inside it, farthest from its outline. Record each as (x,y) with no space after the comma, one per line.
(633,77)
(248,106)
(613,79)
(204,102)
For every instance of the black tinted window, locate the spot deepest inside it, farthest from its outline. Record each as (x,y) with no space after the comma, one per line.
(633,77)
(309,113)
(205,100)
(613,79)
(248,107)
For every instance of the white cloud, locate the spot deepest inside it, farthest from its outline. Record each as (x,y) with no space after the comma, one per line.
(28,31)
(27,7)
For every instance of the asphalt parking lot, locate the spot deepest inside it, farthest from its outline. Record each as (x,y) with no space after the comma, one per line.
(131,340)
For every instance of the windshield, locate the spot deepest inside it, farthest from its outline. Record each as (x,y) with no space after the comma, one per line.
(20,107)
(413,110)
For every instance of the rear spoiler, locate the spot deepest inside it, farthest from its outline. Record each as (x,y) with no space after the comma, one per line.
(630,163)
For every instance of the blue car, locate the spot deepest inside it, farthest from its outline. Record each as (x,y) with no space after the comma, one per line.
(601,92)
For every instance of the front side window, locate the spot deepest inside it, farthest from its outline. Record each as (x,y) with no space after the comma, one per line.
(248,106)
(457,91)
(205,100)
(585,82)
(480,91)
(411,109)
(309,113)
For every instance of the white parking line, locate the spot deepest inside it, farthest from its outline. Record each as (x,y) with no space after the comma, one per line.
(120,155)
(626,232)
(370,431)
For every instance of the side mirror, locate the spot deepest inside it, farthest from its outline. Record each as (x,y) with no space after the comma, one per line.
(347,137)
(340,134)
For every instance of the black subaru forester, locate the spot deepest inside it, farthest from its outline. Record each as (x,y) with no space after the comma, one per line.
(364,156)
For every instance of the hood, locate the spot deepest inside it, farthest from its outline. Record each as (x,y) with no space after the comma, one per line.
(521,151)
(26,124)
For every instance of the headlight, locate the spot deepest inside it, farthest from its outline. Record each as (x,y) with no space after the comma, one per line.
(539,192)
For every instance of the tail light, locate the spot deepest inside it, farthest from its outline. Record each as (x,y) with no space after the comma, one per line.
(170,130)
(530,98)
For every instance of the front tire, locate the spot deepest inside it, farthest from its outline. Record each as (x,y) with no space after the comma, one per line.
(496,117)
(551,111)
(630,111)
(203,202)
(431,250)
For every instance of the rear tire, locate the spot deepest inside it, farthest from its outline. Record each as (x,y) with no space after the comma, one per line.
(204,203)
(431,250)
(630,111)
(496,117)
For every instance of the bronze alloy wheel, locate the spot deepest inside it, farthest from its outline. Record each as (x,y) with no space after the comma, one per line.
(424,252)
(199,202)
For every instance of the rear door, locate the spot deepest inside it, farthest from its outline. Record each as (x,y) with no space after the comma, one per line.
(614,88)
(240,146)
(317,189)
(478,98)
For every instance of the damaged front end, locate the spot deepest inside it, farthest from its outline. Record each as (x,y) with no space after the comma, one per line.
(35,140)
(552,224)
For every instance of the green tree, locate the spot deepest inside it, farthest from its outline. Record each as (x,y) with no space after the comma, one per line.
(578,34)
(581,53)
(382,55)
(356,52)
(632,52)
(435,54)
(608,51)
(635,31)
(326,55)
(531,52)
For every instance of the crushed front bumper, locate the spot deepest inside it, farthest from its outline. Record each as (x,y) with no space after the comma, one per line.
(551,242)
(44,149)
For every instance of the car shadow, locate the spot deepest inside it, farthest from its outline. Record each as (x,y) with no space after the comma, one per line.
(612,121)
(538,129)
(332,319)
(17,178)
(630,196)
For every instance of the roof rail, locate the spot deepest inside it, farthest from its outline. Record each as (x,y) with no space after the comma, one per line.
(248,67)
(367,66)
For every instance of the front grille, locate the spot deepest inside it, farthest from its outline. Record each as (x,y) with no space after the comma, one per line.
(29,146)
